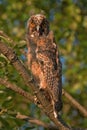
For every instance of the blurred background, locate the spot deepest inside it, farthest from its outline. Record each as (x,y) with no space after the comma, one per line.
(68,20)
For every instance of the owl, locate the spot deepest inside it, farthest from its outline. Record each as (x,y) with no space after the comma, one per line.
(43,60)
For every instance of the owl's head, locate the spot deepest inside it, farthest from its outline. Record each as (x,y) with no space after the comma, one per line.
(37,25)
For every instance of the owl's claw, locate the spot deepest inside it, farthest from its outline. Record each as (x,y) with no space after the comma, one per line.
(55,114)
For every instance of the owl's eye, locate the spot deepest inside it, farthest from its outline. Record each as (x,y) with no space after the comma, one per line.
(41,30)
(41,62)
(44,28)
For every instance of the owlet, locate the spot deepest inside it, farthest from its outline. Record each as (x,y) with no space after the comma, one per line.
(43,60)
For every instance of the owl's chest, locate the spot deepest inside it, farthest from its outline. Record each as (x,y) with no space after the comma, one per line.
(31,54)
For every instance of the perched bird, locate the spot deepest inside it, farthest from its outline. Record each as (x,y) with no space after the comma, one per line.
(43,60)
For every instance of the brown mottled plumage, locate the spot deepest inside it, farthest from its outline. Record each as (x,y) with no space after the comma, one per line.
(43,60)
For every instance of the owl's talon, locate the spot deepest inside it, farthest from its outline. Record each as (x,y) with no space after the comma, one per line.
(55,114)
(36,100)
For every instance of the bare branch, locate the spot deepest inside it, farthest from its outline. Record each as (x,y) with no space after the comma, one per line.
(41,123)
(6,38)
(16,89)
(75,103)
(36,121)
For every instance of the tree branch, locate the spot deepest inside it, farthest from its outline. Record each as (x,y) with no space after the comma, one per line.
(75,103)
(28,96)
(15,88)
(36,121)
(41,123)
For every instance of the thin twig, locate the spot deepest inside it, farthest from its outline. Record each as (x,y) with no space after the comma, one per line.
(6,38)
(75,103)
(36,121)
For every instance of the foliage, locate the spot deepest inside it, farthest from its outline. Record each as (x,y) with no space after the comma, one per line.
(68,20)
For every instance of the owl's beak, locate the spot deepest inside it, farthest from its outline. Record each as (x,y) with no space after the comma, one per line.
(38,28)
